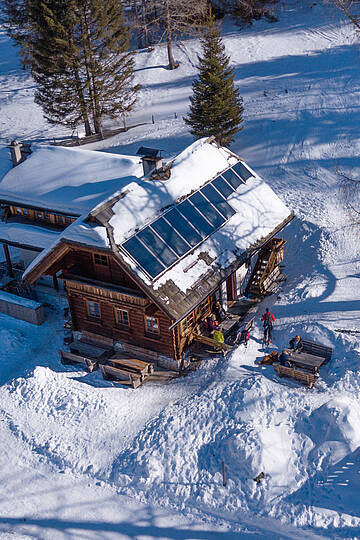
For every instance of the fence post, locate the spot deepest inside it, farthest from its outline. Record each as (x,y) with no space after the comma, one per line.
(152,119)
(223,473)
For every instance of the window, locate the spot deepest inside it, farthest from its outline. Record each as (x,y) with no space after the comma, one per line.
(100,259)
(94,310)
(152,325)
(60,219)
(39,215)
(25,212)
(47,216)
(122,317)
(19,210)
(64,220)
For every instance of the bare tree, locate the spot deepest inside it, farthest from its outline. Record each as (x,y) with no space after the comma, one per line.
(351,9)
(246,9)
(165,20)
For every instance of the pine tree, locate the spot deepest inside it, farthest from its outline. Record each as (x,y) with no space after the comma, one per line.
(216,106)
(80,58)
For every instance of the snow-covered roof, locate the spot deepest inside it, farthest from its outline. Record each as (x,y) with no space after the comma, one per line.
(256,214)
(26,235)
(197,164)
(68,180)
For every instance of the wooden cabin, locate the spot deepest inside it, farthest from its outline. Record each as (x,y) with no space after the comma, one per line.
(143,269)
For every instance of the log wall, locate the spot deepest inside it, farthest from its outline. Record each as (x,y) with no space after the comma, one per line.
(108,326)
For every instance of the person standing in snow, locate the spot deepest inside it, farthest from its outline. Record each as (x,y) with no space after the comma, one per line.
(268,319)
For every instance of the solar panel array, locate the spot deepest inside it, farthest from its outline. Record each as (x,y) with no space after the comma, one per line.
(159,245)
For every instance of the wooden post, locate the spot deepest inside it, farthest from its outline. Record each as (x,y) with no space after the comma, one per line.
(8,260)
(223,474)
(55,282)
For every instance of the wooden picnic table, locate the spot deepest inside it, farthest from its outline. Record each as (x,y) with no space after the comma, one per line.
(306,361)
(227,325)
(133,364)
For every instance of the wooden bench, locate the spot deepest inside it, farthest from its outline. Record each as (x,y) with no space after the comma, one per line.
(124,377)
(89,350)
(68,358)
(140,352)
(302,376)
(132,364)
(316,349)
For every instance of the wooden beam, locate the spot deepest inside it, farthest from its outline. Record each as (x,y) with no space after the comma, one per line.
(55,282)
(212,342)
(8,260)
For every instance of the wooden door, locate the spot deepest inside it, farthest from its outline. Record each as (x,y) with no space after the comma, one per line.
(231,288)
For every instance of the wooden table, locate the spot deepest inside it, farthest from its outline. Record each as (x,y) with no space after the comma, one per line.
(227,325)
(133,364)
(306,361)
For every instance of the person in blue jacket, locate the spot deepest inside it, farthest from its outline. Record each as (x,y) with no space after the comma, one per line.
(296,344)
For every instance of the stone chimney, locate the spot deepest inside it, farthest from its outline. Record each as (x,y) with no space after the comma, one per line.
(151,159)
(19,152)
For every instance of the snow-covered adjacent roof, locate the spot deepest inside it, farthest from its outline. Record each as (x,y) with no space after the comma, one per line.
(26,235)
(68,180)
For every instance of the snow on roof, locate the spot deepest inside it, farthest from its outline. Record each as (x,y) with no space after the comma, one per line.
(259,212)
(194,166)
(27,235)
(19,300)
(68,180)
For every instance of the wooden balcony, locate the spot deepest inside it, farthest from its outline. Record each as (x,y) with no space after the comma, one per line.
(101,290)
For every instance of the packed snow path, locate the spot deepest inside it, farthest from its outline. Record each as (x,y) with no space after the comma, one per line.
(68,431)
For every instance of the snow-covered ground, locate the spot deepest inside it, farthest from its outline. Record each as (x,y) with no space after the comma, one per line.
(81,458)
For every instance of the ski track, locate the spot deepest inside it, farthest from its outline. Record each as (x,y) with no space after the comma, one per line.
(162,446)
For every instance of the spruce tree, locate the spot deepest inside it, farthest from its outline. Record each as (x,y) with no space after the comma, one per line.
(79,57)
(216,106)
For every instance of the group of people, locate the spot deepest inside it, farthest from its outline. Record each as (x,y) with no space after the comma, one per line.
(243,336)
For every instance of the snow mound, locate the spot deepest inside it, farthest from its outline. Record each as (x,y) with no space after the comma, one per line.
(334,429)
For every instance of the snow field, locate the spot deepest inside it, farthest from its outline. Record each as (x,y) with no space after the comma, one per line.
(164,445)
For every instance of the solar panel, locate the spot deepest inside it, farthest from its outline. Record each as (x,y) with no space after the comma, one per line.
(232,178)
(157,246)
(182,226)
(143,257)
(170,236)
(218,201)
(223,187)
(242,171)
(175,233)
(207,210)
(195,218)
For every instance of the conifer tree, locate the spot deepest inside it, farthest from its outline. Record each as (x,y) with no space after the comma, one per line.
(216,106)
(79,57)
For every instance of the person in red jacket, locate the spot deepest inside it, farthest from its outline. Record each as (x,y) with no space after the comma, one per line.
(268,319)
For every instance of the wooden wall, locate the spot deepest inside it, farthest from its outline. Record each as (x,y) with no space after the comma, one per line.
(107,325)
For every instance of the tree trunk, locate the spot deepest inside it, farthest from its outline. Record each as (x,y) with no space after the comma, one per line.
(172,64)
(145,26)
(82,102)
(136,23)
(87,127)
